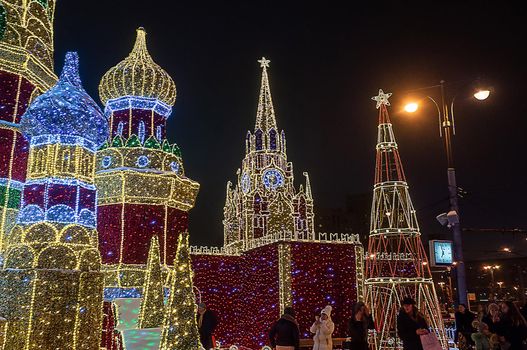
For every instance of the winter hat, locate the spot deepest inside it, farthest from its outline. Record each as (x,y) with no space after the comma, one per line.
(408,301)
(327,310)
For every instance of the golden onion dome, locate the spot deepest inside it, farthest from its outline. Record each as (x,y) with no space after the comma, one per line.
(138,75)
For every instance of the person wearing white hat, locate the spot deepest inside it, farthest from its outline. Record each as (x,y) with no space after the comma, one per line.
(323,329)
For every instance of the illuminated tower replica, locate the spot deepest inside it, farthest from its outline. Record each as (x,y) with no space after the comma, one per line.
(140,177)
(51,285)
(26,70)
(264,201)
(397,265)
(271,253)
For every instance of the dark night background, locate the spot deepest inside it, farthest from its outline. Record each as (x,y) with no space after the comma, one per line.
(326,63)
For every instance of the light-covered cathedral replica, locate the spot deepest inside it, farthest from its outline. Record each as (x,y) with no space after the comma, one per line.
(143,190)
(94,210)
(272,253)
(264,201)
(51,284)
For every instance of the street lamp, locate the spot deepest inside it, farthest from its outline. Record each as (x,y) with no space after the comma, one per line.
(445,112)
(491,268)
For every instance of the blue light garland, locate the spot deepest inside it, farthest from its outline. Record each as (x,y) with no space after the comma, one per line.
(66,109)
(137,102)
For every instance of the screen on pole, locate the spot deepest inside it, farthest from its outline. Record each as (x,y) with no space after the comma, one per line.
(441,253)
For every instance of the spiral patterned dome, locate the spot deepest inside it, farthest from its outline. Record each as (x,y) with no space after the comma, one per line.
(66,109)
(138,75)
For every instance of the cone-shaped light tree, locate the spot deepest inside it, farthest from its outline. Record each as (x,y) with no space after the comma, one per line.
(397,264)
(152,306)
(180,329)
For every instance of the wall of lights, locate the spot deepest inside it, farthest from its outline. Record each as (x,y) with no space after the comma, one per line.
(323,274)
(246,290)
(50,283)
(217,282)
(143,190)
(264,200)
(397,265)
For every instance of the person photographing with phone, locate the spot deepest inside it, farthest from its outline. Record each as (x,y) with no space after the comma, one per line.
(323,328)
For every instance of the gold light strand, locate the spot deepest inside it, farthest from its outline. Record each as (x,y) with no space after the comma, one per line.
(180,329)
(152,306)
(138,75)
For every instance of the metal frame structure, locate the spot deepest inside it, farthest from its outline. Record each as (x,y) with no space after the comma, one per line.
(396,265)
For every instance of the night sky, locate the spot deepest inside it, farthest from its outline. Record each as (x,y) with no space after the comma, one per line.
(327,60)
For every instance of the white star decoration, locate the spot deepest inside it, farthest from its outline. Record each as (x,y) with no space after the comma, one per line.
(382,98)
(264,63)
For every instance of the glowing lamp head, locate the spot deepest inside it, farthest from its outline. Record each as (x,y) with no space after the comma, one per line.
(411,107)
(482,94)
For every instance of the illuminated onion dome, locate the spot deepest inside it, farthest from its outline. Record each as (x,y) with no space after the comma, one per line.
(138,75)
(66,109)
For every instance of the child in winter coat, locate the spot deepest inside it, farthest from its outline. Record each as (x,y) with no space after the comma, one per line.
(323,329)
(481,337)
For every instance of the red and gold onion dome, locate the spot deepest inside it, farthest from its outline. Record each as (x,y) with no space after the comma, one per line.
(138,75)
(143,190)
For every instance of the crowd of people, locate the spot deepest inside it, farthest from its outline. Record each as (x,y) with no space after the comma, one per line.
(285,333)
(500,326)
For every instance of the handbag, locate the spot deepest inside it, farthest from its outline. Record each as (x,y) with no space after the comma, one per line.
(430,342)
(346,345)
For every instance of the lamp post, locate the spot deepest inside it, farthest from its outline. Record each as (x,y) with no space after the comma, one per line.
(447,129)
(491,268)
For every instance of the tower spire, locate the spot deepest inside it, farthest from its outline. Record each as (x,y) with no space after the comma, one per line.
(397,264)
(388,163)
(308,186)
(265,118)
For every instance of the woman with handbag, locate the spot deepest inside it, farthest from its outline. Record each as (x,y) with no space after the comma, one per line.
(358,327)
(411,324)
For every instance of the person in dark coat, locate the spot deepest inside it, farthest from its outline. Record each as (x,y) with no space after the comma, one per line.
(493,318)
(411,324)
(464,318)
(514,326)
(285,333)
(207,322)
(358,326)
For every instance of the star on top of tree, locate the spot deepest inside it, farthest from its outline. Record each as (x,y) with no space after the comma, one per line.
(264,63)
(382,98)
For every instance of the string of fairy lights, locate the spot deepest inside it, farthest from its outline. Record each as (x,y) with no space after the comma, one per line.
(152,303)
(180,328)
